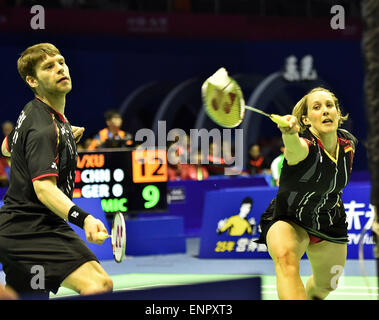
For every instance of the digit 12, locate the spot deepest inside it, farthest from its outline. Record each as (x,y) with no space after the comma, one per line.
(155,172)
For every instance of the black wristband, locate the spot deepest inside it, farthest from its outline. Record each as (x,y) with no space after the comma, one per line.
(77,216)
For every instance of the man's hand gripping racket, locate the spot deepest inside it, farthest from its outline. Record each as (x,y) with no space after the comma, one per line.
(118,237)
(224,103)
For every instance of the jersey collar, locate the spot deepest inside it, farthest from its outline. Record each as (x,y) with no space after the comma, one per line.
(51,110)
(318,141)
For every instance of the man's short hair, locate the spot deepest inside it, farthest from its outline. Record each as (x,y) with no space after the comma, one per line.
(108,115)
(28,60)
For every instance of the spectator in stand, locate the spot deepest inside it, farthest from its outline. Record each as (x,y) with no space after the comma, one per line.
(178,151)
(7,128)
(194,170)
(276,167)
(112,136)
(216,164)
(257,163)
(3,175)
(82,147)
(184,148)
(173,159)
(227,151)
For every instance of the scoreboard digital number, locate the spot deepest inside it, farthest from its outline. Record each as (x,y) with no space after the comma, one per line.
(125,180)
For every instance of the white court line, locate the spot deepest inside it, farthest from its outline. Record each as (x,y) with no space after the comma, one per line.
(270,286)
(149,286)
(354,294)
(119,289)
(337,293)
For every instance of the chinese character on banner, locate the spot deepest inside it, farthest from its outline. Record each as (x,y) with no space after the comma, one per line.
(307,72)
(290,69)
(242,243)
(353,215)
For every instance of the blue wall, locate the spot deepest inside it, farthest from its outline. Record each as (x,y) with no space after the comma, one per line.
(105,70)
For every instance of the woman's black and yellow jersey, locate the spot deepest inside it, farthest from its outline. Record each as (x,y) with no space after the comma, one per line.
(310,192)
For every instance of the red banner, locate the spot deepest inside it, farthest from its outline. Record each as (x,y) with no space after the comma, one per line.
(182,25)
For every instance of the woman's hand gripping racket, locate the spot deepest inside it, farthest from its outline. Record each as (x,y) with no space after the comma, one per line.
(224,103)
(118,236)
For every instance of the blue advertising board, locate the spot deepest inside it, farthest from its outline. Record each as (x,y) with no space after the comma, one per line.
(220,209)
(104,251)
(186,197)
(229,230)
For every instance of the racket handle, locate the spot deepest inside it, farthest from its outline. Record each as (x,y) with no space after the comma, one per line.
(279,120)
(102,235)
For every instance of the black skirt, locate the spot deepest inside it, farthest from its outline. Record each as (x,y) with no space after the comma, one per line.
(336,233)
(266,221)
(34,245)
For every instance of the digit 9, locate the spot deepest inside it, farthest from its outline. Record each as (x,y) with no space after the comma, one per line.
(152,195)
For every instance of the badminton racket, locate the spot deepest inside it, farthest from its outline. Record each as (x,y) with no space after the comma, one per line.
(118,237)
(224,103)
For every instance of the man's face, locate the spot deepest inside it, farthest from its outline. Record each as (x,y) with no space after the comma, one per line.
(115,122)
(52,77)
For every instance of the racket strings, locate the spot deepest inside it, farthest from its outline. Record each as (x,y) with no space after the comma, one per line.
(224,103)
(224,106)
(119,237)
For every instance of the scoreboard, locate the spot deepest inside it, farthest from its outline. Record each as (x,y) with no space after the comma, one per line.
(125,180)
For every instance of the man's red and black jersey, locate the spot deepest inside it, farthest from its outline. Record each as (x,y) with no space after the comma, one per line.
(42,144)
(310,192)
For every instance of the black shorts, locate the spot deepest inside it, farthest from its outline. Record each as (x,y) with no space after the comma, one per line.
(34,245)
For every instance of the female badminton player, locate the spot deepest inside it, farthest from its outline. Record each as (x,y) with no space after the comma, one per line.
(33,230)
(307,214)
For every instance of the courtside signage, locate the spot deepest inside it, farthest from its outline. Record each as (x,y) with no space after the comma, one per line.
(230,228)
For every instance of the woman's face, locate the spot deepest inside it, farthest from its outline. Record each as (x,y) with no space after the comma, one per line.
(323,115)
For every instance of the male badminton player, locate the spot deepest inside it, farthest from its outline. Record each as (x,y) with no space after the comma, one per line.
(307,214)
(33,230)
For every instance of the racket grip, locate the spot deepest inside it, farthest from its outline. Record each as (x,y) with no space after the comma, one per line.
(102,235)
(279,120)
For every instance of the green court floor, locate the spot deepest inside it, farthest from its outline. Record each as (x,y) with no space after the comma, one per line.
(350,287)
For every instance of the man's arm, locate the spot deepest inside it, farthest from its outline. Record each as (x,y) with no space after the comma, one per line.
(228,224)
(54,199)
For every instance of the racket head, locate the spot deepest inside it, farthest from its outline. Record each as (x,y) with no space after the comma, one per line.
(223,104)
(118,237)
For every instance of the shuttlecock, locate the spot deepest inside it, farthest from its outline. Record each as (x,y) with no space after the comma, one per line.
(220,79)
